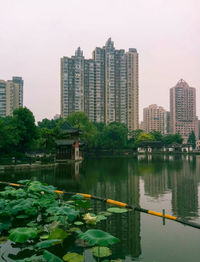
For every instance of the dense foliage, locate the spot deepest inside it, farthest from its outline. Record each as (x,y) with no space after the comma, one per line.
(19,134)
(192,139)
(36,224)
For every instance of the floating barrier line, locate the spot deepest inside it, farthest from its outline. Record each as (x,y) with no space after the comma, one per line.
(120,204)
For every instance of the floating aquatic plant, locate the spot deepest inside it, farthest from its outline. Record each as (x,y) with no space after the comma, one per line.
(98,237)
(22,234)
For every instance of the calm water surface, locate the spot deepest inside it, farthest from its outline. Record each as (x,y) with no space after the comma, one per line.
(152,182)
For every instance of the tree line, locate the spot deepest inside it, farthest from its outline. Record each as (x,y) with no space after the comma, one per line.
(19,134)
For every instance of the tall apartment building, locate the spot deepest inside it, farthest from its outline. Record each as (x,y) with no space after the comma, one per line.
(107,85)
(132,89)
(11,96)
(183,118)
(155,119)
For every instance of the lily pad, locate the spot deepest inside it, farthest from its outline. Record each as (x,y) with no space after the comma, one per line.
(78,223)
(101,217)
(101,251)
(58,233)
(98,237)
(47,243)
(22,234)
(117,210)
(105,213)
(73,257)
(45,236)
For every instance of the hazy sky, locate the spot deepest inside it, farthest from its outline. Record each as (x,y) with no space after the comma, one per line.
(35,34)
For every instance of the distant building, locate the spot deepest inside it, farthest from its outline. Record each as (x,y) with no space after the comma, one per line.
(104,87)
(11,96)
(155,119)
(183,118)
(57,116)
(168,123)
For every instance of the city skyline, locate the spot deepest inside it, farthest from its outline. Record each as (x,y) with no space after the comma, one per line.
(104,87)
(32,44)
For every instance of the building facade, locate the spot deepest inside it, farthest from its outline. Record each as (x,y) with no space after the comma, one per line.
(155,119)
(11,96)
(183,118)
(104,87)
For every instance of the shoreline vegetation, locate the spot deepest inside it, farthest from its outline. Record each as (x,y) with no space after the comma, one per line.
(22,141)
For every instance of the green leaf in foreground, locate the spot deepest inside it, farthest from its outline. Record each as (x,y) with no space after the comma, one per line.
(51,257)
(101,251)
(117,210)
(22,234)
(73,257)
(48,243)
(98,237)
(58,233)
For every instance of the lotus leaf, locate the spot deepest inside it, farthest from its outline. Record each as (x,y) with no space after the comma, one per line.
(101,217)
(98,237)
(46,236)
(73,257)
(101,251)
(22,216)
(105,213)
(36,186)
(51,257)
(5,225)
(64,210)
(78,197)
(2,203)
(75,229)
(58,233)
(47,243)
(22,234)
(24,181)
(78,223)
(117,210)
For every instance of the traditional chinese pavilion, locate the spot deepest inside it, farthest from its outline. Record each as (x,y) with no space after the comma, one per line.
(67,148)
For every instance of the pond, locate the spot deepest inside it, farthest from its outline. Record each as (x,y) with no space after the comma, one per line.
(154,182)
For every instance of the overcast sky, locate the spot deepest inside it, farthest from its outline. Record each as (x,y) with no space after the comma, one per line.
(35,34)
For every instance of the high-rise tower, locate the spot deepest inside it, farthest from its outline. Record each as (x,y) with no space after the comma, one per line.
(105,87)
(155,119)
(183,118)
(11,96)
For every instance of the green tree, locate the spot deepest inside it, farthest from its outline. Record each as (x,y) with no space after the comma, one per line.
(46,140)
(80,120)
(25,128)
(157,136)
(114,136)
(172,138)
(192,139)
(9,137)
(143,136)
(46,123)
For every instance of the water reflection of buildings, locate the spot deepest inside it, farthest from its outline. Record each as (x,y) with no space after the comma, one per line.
(178,174)
(123,187)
